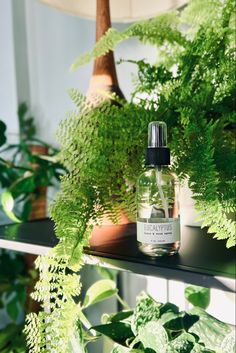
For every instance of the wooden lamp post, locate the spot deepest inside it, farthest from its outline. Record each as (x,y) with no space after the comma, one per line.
(104,77)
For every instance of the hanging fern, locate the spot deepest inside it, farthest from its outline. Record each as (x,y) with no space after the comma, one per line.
(102,148)
(196,99)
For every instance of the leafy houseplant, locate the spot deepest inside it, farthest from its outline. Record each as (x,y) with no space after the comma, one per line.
(24,172)
(155,327)
(102,148)
(14,279)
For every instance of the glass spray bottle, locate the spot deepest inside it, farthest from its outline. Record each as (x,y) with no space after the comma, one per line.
(158,223)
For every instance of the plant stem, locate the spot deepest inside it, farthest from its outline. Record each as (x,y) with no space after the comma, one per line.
(11,165)
(122,302)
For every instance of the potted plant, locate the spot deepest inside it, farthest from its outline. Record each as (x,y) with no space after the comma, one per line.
(102,147)
(27,169)
(157,327)
(192,88)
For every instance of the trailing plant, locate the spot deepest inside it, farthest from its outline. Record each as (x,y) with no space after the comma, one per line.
(101,180)
(22,171)
(102,147)
(156,327)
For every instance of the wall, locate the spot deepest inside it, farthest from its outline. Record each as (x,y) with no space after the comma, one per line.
(8,91)
(60,38)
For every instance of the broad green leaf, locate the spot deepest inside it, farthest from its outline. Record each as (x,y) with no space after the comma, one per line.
(8,205)
(198,348)
(13,309)
(147,309)
(169,316)
(182,321)
(27,208)
(228,344)
(189,321)
(198,296)
(119,332)
(122,315)
(171,350)
(1,302)
(99,291)
(183,343)
(7,334)
(106,273)
(18,343)
(21,294)
(210,330)
(26,184)
(2,133)
(168,307)
(154,336)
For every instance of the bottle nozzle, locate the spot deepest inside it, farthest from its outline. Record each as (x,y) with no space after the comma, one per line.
(157,134)
(157,154)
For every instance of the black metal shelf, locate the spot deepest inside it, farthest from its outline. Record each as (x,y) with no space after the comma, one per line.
(202,260)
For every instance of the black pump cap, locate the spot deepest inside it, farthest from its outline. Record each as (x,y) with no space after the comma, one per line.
(157,153)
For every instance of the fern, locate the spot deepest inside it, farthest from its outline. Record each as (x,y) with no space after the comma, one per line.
(196,101)
(103,150)
(155,31)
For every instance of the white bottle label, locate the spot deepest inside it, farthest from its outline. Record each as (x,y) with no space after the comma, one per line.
(158,233)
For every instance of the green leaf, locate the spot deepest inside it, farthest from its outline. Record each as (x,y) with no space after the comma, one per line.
(210,330)
(23,185)
(2,133)
(106,273)
(122,315)
(198,296)
(189,321)
(228,344)
(99,291)
(154,336)
(7,334)
(182,321)
(8,204)
(168,307)
(13,309)
(21,294)
(183,343)
(147,309)
(119,332)
(168,317)
(27,208)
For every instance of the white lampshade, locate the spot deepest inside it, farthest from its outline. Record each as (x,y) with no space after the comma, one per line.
(121,10)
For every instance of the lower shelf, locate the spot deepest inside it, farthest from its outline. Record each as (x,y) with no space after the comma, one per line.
(202,260)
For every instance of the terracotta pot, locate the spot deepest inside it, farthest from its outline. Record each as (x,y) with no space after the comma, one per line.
(109,232)
(39,200)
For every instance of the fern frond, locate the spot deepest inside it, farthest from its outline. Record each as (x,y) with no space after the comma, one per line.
(163,28)
(215,217)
